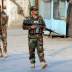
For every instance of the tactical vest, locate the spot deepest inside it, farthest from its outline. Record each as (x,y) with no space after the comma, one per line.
(39,25)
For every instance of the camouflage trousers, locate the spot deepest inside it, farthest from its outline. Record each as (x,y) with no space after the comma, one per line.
(36,42)
(3,38)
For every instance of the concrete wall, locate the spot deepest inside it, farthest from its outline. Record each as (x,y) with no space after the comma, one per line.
(16,20)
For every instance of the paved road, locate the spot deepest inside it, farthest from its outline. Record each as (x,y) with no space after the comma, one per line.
(58,54)
(18,41)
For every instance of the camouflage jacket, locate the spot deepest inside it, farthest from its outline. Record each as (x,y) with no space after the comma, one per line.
(39,25)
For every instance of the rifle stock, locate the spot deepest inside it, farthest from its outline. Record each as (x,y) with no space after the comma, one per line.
(51,31)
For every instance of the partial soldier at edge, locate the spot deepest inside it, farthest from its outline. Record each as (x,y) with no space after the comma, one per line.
(3,32)
(36,26)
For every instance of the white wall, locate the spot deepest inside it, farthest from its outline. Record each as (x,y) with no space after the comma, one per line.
(16,20)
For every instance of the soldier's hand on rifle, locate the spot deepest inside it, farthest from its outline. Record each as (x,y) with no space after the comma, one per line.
(33,26)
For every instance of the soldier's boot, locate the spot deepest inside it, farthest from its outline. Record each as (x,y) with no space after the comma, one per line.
(5,51)
(32,61)
(33,65)
(1,55)
(43,65)
(5,47)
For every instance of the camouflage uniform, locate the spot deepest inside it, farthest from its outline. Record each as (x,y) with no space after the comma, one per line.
(36,25)
(3,31)
(36,41)
(35,37)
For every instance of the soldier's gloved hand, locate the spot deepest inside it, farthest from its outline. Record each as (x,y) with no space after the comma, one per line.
(33,26)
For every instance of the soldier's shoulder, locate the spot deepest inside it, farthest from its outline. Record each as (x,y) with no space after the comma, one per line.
(40,17)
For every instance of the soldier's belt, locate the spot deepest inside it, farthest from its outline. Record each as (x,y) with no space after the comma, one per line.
(35,36)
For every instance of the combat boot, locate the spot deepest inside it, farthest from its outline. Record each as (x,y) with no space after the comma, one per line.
(33,65)
(1,55)
(43,65)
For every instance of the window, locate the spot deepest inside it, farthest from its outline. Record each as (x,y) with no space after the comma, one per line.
(45,8)
(59,9)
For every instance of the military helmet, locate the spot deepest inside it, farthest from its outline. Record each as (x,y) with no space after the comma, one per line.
(34,8)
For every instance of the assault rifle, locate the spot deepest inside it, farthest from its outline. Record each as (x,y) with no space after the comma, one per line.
(28,22)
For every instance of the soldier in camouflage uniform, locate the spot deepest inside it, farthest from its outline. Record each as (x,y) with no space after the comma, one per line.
(35,37)
(3,32)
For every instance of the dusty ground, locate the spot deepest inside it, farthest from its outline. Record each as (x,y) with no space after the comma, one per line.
(58,54)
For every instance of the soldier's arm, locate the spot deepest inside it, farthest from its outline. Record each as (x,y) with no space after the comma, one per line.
(42,24)
(42,21)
